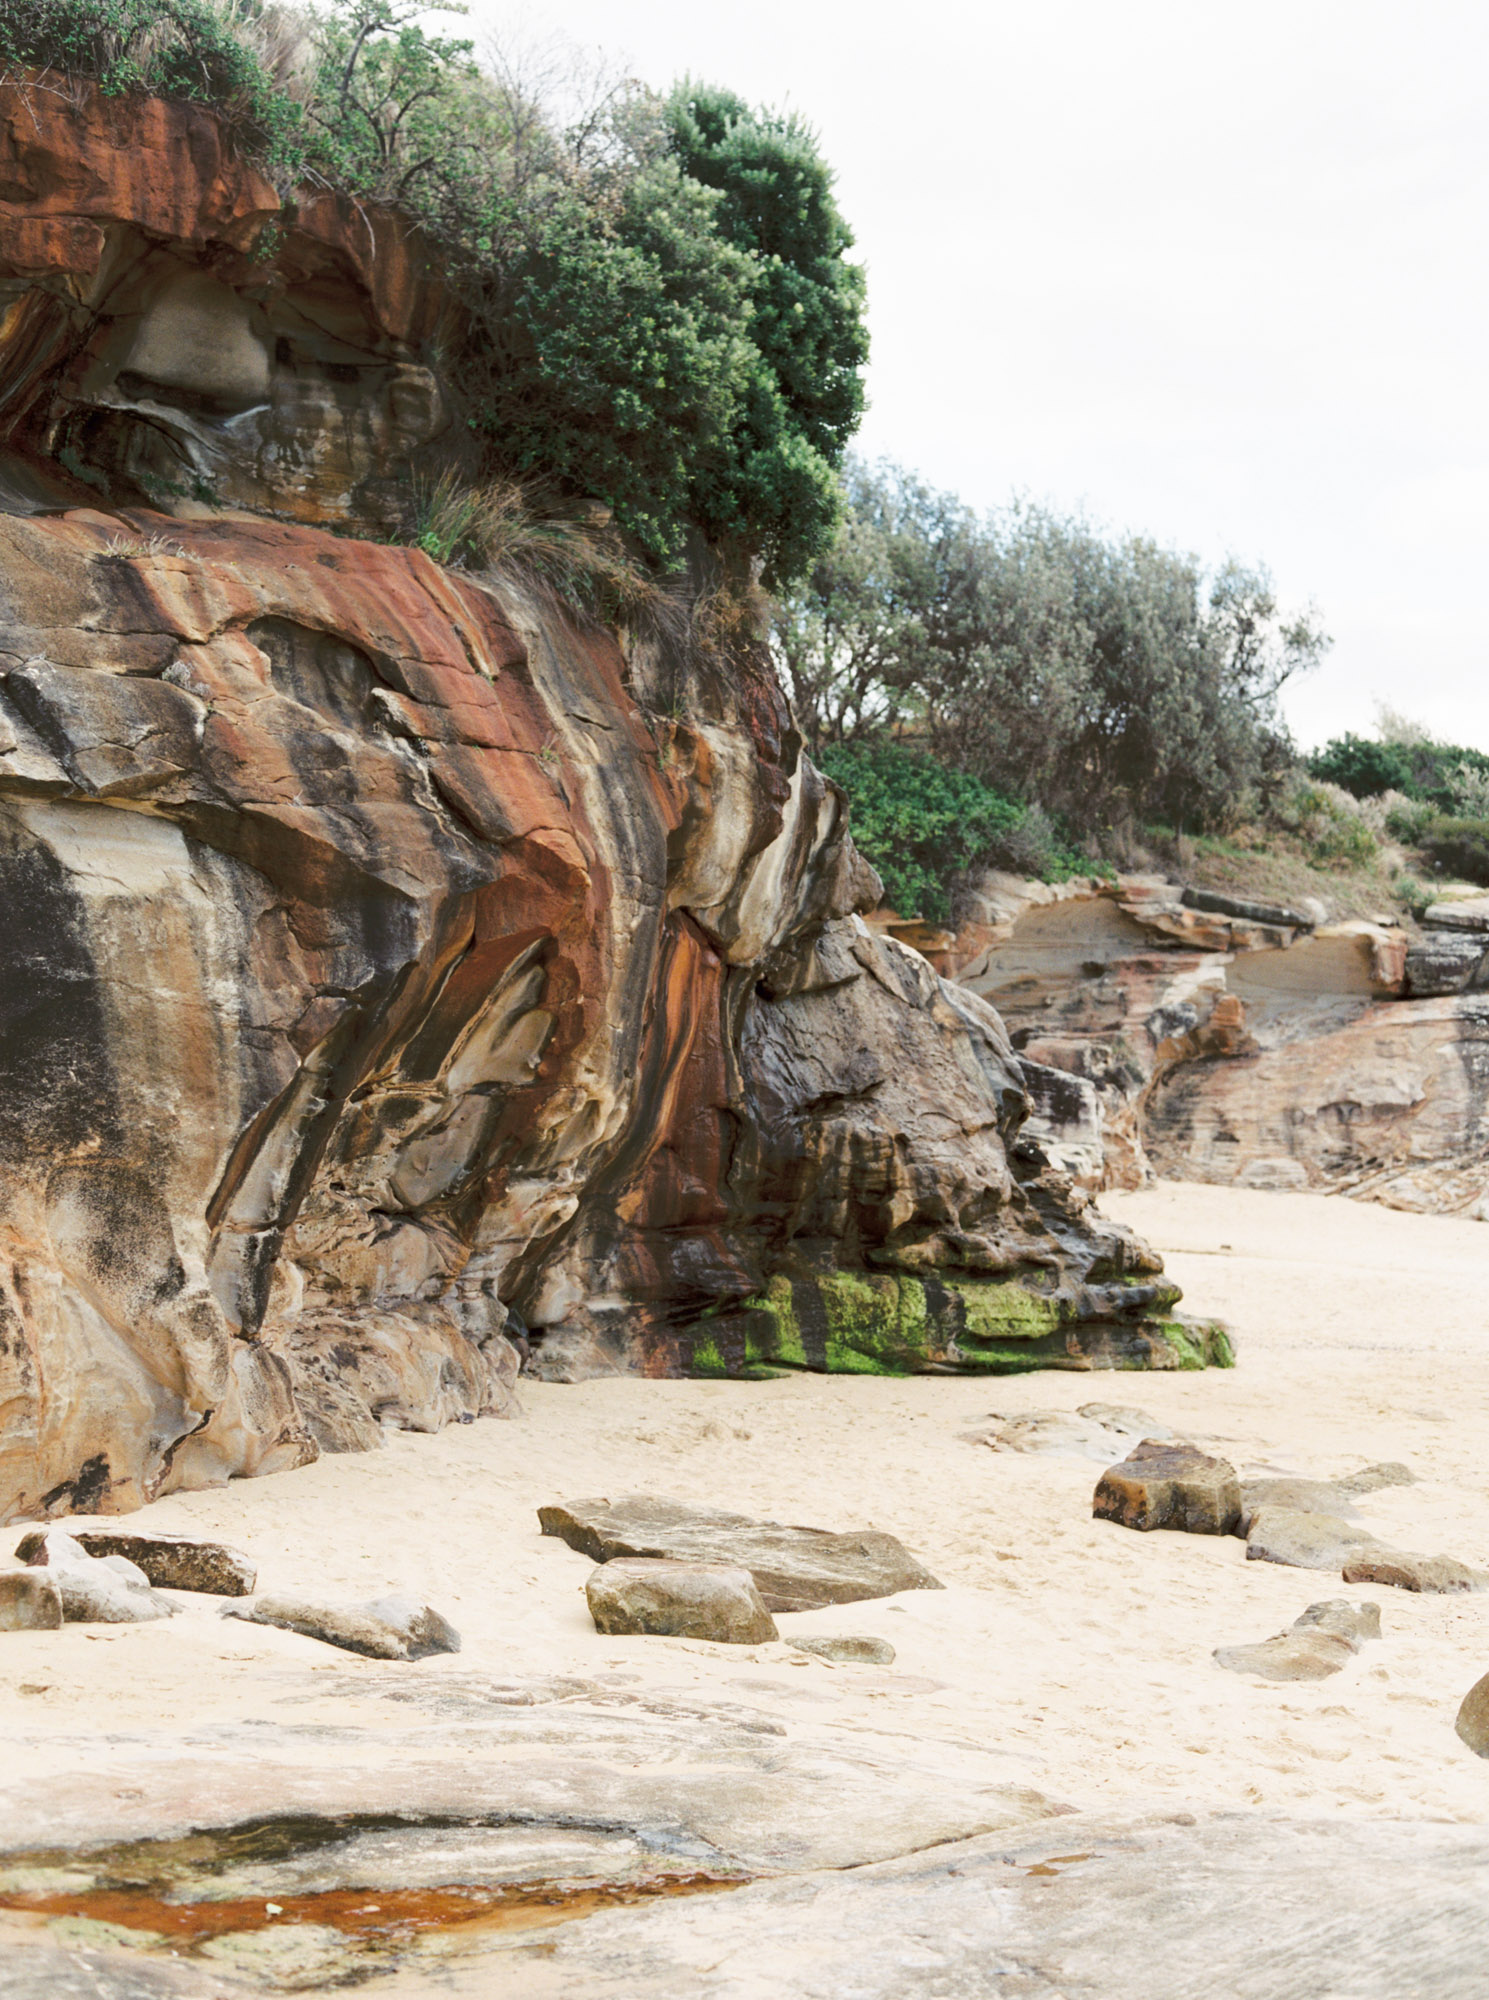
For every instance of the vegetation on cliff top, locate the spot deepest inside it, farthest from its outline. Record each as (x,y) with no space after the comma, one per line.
(662,314)
(1106,682)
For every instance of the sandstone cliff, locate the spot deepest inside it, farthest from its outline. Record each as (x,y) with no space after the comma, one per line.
(399,968)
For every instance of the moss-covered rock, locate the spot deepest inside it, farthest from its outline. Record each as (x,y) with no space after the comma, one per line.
(890,1323)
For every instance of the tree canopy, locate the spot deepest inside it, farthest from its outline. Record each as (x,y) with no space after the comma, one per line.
(1109,678)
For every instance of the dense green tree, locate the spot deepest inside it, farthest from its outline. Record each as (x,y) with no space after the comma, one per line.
(772,491)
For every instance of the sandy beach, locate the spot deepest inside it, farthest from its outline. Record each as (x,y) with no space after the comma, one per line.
(1077,1653)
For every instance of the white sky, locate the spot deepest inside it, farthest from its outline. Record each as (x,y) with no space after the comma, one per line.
(1216,273)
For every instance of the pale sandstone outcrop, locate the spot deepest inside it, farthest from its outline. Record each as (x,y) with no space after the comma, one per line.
(1241,1048)
(390,950)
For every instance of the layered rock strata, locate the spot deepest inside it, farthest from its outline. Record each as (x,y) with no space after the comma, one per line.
(398,963)
(1199,1038)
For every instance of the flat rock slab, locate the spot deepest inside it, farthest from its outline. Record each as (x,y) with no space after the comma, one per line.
(30,1601)
(388,1628)
(475,1775)
(683,1600)
(1325,1638)
(1300,1496)
(1232,1907)
(849,1651)
(40,1972)
(1129,1421)
(1470,914)
(169,1562)
(795,1569)
(1399,1567)
(1305,1540)
(1170,1486)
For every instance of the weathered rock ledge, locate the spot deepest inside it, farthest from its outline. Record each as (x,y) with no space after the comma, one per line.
(1195,1037)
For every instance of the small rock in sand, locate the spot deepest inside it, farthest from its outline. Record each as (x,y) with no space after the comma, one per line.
(29,1601)
(1412,1572)
(1372,1478)
(1355,1622)
(388,1628)
(679,1600)
(1096,1430)
(1304,1540)
(1320,1642)
(1473,1718)
(856,1652)
(1170,1486)
(169,1562)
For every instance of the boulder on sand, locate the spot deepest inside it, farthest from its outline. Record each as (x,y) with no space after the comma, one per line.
(96,1590)
(1373,1478)
(848,1650)
(387,1628)
(1473,1718)
(682,1600)
(1305,1540)
(169,1562)
(1399,1567)
(1317,1644)
(1170,1486)
(795,1569)
(30,1601)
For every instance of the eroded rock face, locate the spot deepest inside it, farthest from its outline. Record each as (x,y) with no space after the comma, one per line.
(387,950)
(1202,1038)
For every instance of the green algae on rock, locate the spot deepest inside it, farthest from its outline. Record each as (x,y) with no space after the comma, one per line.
(891,1323)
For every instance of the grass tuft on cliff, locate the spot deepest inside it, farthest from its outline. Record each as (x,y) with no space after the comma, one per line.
(662,314)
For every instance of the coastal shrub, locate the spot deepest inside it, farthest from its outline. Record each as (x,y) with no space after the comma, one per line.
(924,825)
(1450,776)
(1458,847)
(1110,678)
(774,489)
(1416,895)
(187,49)
(1328,821)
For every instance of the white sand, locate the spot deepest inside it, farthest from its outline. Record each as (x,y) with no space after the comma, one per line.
(1078,1648)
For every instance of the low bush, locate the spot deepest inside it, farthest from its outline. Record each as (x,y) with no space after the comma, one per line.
(1329,823)
(1458,847)
(923,826)
(1450,776)
(188,49)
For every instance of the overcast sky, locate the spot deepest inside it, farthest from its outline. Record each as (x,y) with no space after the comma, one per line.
(1217,274)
